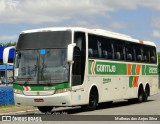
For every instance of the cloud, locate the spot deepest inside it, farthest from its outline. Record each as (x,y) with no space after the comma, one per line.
(155,23)
(118,25)
(40,11)
(8,38)
(154,4)
(156,34)
(44,11)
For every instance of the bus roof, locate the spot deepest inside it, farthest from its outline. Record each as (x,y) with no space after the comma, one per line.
(92,31)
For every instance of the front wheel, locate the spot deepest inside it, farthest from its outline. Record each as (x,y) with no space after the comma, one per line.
(93,101)
(45,109)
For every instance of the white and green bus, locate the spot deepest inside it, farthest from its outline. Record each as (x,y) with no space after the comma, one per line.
(82,67)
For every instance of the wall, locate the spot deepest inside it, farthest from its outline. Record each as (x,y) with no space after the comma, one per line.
(6,96)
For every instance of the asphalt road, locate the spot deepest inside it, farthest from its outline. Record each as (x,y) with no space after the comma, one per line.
(123,107)
(151,107)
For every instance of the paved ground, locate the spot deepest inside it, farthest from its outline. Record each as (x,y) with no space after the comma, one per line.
(152,107)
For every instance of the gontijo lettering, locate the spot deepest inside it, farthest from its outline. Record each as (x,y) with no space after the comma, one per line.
(106,68)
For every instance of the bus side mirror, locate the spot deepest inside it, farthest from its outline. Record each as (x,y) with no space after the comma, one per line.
(70,51)
(6,54)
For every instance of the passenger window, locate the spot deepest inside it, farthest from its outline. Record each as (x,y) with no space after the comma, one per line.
(139,51)
(92,46)
(153,56)
(107,49)
(146,54)
(130,54)
(119,50)
(99,47)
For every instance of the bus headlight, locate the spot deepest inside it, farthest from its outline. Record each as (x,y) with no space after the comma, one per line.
(18,91)
(62,90)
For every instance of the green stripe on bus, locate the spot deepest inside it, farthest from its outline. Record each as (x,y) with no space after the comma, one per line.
(134,69)
(143,69)
(111,68)
(108,68)
(42,88)
(149,70)
(131,81)
(89,67)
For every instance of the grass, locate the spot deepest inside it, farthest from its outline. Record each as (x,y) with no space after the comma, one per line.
(6,106)
(14,108)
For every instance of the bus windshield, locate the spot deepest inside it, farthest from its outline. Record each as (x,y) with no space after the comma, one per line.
(40,40)
(41,58)
(45,66)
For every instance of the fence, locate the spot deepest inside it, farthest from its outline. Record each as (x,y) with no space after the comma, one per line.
(6,96)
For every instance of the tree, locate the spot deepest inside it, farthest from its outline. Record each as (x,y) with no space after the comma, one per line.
(6,44)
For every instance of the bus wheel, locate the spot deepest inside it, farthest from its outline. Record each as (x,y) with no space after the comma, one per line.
(146,93)
(93,100)
(140,95)
(45,109)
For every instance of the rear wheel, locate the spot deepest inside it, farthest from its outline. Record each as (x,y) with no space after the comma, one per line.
(141,95)
(146,93)
(45,109)
(93,101)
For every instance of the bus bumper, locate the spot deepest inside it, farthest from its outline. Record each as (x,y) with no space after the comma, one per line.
(61,99)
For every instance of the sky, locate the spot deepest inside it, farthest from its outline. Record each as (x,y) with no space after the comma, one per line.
(138,18)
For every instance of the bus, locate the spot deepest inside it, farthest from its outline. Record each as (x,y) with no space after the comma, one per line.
(73,66)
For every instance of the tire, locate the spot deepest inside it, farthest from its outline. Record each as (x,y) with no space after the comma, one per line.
(141,95)
(93,101)
(146,94)
(45,109)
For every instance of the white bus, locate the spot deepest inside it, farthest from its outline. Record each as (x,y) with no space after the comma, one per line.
(82,67)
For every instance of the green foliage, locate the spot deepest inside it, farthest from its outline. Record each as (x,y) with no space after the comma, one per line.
(6,44)
(159,57)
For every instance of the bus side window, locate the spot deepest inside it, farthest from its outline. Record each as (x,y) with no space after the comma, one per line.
(119,50)
(90,52)
(99,49)
(139,53)
(146,53)
(153,57)
(106,48)
(129,51)
(105,54)
(91,46)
